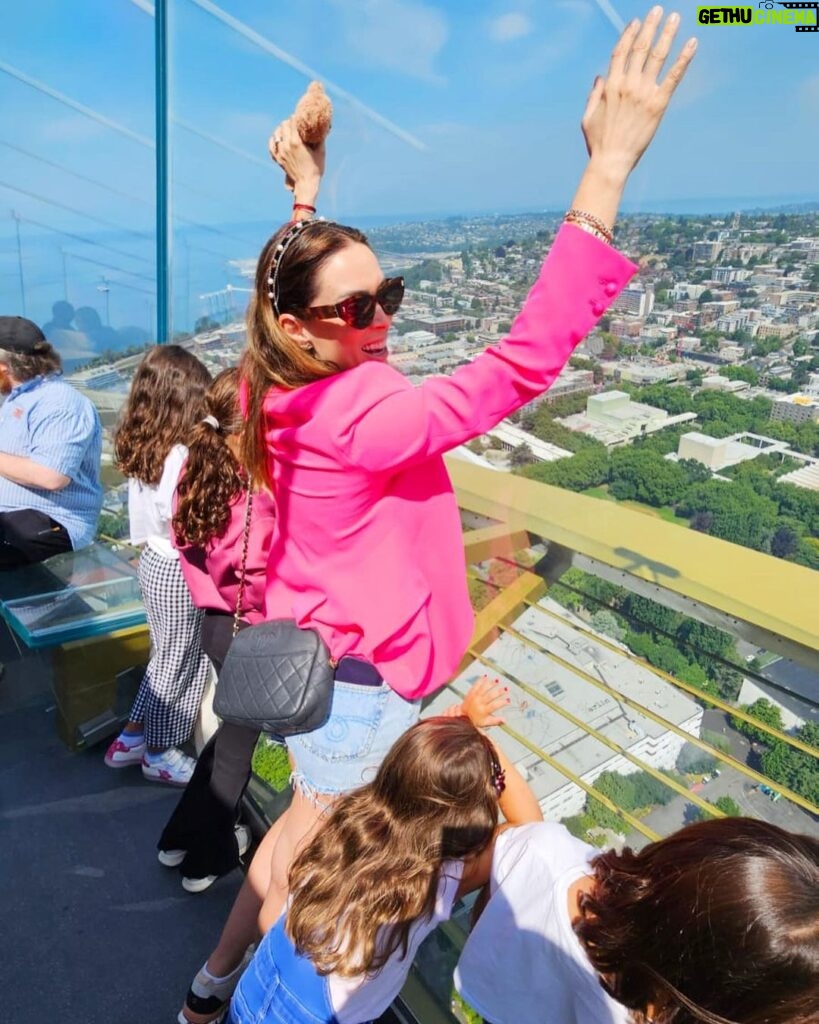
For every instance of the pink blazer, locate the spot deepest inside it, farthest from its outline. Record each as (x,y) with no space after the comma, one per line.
(367,545)
(212,572)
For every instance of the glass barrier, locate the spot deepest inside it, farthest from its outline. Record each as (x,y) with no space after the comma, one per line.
(85,593)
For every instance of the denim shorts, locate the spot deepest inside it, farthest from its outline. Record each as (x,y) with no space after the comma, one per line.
(347,750)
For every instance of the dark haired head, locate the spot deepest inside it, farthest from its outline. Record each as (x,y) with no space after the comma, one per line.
(212,476)
(25,350)
(718,922)
(167,398)
(272,357)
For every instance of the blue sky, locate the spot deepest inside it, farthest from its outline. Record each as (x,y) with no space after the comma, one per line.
(490,93)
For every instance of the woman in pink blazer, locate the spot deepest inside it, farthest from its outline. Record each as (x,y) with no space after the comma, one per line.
(367,545)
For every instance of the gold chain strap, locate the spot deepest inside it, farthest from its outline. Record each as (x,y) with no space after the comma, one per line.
(245,543)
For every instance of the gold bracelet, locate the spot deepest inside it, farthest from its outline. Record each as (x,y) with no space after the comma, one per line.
(578,216)
(589,229)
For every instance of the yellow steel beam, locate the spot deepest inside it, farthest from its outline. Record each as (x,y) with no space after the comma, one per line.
(567,773)
(599,736)
(768,593)
(502,609)
(493,542)
(695,740)
(717,702)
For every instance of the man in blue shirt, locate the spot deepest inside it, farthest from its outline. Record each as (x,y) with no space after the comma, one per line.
(50,448)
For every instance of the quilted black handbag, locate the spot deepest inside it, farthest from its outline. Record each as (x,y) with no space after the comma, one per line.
(276,677)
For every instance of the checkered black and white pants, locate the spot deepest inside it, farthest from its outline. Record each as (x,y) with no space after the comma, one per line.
(171,690)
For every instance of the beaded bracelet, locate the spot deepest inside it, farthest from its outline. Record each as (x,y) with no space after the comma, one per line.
(588,229)
(589,221)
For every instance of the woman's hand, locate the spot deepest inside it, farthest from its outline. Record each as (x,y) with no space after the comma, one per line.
(625,109)
(485,698)
(302,164)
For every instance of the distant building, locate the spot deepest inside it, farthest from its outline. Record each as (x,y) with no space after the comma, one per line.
(718,453)
(101,378)
(511,437)
(613,419)
(438,325)
(714,382)
(639,301)
(570,382)
(806,476)
(706,252)
(796,409)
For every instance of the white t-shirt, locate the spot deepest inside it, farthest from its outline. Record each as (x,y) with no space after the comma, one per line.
(150,507)
(367,997)
(523,961)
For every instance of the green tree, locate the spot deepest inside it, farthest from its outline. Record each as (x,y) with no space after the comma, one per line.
(521,456)
(642,474)
(728,806)
(764,711)
(584,470)
(605,622)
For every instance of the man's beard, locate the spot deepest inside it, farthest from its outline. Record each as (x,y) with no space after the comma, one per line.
(5,382)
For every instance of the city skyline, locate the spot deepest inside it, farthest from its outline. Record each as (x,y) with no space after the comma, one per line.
(440,110)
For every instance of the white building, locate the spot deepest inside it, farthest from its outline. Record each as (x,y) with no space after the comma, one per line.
(613,419)
(638,301)
(511,437)
(719,452)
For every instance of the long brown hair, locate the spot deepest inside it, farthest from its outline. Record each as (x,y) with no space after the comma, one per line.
(373,868)
(718,922)
(42,359)
(167,398)
(272,357)
(212,476)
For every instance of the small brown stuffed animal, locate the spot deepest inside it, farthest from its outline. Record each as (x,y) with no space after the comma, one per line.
(313,118)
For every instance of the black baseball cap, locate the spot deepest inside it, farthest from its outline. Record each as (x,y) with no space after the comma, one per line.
(19,335)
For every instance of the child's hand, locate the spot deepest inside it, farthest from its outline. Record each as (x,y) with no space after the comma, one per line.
(485,698)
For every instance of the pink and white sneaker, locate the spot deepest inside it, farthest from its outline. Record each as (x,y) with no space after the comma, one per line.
(171,767)
(121,754)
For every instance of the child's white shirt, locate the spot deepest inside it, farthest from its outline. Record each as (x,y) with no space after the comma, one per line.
(150,506)
(523,961)
(366,997)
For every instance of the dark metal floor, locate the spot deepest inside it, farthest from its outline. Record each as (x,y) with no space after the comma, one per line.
(94,930)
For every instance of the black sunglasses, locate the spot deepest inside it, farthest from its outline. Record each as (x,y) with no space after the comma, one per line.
(358,310)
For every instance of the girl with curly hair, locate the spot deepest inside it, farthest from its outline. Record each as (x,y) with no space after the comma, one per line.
(202,837)
(384,870)
(166,400)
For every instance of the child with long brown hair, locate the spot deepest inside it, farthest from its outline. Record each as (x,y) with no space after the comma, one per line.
(202,837)
(167,398)
(384,870)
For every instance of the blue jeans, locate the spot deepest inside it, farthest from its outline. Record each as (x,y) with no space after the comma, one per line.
(280,987)
(346,751)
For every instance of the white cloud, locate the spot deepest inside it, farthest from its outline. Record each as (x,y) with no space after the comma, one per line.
(402,36)
(514,25)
